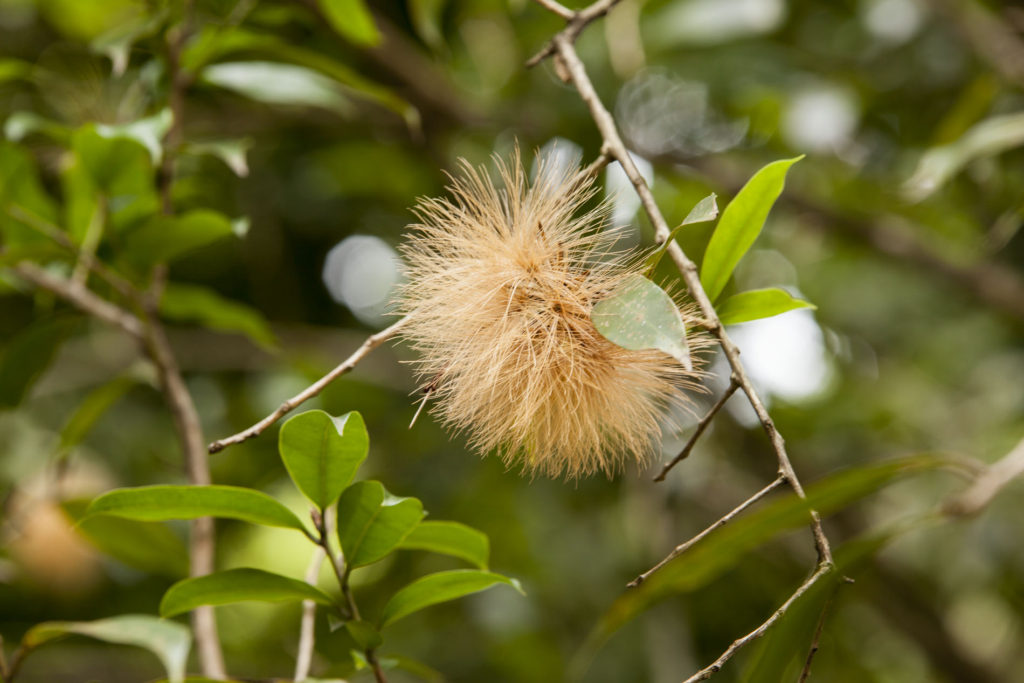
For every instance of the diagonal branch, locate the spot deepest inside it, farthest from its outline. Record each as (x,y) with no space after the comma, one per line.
(372,342)
(989,483)
(701,426)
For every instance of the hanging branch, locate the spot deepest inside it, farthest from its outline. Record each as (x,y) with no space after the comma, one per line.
(701,426)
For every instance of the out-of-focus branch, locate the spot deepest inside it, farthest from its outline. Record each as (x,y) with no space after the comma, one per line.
(307,628)
(701,426)
(988,484)
(372,342)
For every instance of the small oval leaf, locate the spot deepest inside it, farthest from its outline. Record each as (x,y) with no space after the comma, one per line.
(450,538)
(237,585)
(640,315)
(322,453)
(740,225)
(758,303)
(161,503)
(440,587)
(168,640)
(372,522)
(705,210)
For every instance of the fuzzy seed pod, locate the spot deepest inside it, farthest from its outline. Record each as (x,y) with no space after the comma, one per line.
(500,286)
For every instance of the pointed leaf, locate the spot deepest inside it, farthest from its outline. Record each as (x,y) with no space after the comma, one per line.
(161,503)
(203,305)
(237,585)
(450,538)
(276,83)
(740,225)
(234,153)
(322,453)
(165,238)
(755,304)
(440,587)
(168,640)
(640,315)
(705,210)
(352,20)
(372,522)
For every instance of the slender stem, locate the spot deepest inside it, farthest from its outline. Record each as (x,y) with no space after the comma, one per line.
(806,672)
(988,484)
(372,342)
(307,629)
(725,519)
(701,426)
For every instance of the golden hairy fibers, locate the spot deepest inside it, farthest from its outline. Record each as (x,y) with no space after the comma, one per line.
(500,285)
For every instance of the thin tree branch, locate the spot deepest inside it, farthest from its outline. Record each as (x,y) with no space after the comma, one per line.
(816,640)
(564,49)
(307,628)
(557,8)
(372,342)
(577,22)
(725,519)
(80,297)
(988,484)
(701,426)
(716,666)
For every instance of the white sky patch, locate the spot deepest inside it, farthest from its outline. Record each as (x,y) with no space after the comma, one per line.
(360,272)
(821,119)
(619,189)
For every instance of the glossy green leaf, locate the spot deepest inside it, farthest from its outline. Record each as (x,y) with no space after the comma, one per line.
(27,356)
(372,522)
(755,304)
(351,19)
(322,453)
(148,546)
(91,409)
(168,640)
(161,503)
(274,83)
(364,633)
(237,585)
(440,587)
(740,225)
(705,210)
(450,538)
(640,315)
(165,238)
(193,303)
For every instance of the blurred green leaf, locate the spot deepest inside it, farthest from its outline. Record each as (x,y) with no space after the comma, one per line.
(165,238)
(168,640)
(161,503)
(322,453)
(426,20)
(14,70)
(351,19)
(148,546)
(275,83)
(234,153)
(193,303)
(364,633)
(992,136)
(91,409)
(705,210)
(20,186)
(372,522)
(640,315)
(740,225)
(117,43)
(21,124)
(450,538)
(755,304)
(28,354)
(148,132)
(237,585)
(440,587)
(117,163)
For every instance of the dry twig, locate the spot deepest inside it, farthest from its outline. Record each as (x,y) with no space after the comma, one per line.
(701,426)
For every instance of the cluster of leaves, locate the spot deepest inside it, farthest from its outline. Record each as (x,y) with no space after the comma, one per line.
(321,454)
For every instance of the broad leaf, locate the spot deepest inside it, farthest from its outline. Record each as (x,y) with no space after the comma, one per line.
(168,640)
(740,225)
(758,303)
(161,503)
(20,187)
(237,585)
(234,153)
(322,453)
(193,303)
(351,19)
(450,538)
(117,163)
(148,132)
(29,354)
(440,587)
(364,633)
(640,315)
(165,238)
(372,522)
(275,83)
(705,210)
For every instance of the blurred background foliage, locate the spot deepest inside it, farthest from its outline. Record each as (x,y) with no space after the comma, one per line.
(309,129)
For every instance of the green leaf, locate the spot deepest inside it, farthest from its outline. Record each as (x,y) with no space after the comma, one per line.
(20,186)
(352,20)
(426,20)
(149,546)
(193,303)
(705,210)
(450,538)
(234,153)
(14,70)
(372,522)
(440,587)
(364,633)
(165,238)
(21,124)
(29,354)
(161,503)
(116,162)
(275,83)
(322,453)
(148,132)
(740,225)
(640,315)
(91,409)
(117,42)
(755,304)
(237,585)
(168,640)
